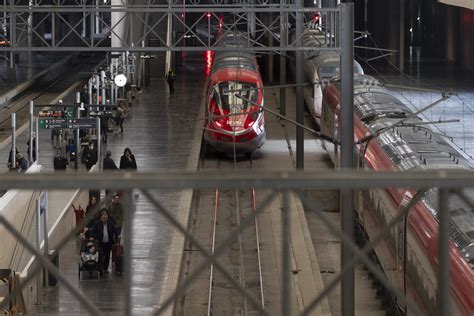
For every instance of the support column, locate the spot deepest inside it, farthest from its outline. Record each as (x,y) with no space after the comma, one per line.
(299,88)
(268,20)
(169,34)
(13,151)
(443,294)
(283,40)
(347,151)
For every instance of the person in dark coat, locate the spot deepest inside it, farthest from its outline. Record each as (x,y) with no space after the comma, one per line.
(33,149)
(22,163)
(104,232)
(103,128)
(109,164)
(90,156)
(89,209)
(127,161)
(170,77)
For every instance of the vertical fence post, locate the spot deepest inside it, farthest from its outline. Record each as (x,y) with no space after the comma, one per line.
(443,255)
(30,148)
(286,301)
(38,247)
(347,151)
(45,235)
(283,43)
(299,88)
(37,140)
(128,227)
(13,151)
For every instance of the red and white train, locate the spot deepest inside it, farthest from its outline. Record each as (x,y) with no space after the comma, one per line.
(234,94)
(409,255)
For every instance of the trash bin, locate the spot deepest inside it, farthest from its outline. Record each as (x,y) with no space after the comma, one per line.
(54,257)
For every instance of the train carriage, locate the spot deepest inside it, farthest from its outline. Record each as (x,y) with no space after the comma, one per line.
(235,119)
(408,256)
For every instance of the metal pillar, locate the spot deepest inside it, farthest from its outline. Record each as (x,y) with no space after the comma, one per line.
(99,142)
(169,34)
(77,131)
(286,277)
(102,84)
(45,234)
(128,228)
(37,143)
(13,151)
(347,151)
(269,19)
(443,255)
(283,42)
(38,247)
(30,150)
(299,89)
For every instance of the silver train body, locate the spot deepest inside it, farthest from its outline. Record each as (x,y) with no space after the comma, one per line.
(319,67)
(409,254)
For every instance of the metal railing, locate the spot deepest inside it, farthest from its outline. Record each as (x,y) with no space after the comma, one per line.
(447,182)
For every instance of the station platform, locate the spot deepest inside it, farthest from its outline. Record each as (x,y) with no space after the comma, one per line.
(159,131)
(26,72)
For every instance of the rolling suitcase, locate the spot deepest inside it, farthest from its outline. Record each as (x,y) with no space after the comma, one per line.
(117,258)
(60,163)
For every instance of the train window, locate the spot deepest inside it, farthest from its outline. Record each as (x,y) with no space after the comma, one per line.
(231,100)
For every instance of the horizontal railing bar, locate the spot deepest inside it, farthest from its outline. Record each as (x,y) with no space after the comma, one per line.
(449,179)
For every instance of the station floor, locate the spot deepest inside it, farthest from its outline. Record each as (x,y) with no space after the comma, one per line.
(159,131)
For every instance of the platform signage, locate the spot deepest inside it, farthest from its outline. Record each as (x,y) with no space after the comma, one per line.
(81,123)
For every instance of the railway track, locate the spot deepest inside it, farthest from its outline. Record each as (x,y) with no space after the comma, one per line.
(218,214)
(242,258)
(73,73)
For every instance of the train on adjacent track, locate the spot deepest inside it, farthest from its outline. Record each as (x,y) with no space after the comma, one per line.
(319,67)
(235,120)
(409,255)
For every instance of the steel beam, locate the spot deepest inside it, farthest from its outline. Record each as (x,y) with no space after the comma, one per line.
(299,89)
(347,153)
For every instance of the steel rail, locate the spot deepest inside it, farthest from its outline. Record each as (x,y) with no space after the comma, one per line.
(211,273)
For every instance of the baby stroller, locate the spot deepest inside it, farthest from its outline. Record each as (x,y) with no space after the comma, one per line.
(90,258)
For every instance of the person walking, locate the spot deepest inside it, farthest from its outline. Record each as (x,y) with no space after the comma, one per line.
(33,149)
(90,156)
(170,77)
(127,161)
(116,212)
(108,164)
(121,114)
(104,232)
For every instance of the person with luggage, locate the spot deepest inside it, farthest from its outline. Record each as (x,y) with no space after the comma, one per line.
(104,233)
(90,156)
(170,77)
(127,161)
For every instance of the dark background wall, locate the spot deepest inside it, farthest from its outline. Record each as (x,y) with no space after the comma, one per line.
(439,33)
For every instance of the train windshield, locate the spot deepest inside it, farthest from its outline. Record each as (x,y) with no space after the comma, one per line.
(231,96)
